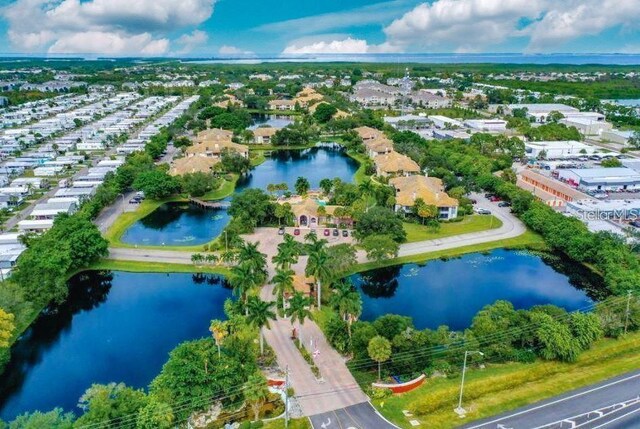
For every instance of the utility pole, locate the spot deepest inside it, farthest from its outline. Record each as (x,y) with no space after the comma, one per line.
(461,411)
(286,397)
(627,312)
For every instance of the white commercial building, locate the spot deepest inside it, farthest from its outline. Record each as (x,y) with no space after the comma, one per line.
(601,179)
(616,136)
(559,149)
(444,122)
(540,112)
(600,210)
(490,125)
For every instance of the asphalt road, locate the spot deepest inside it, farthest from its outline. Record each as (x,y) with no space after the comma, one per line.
(591,407)
(359,416)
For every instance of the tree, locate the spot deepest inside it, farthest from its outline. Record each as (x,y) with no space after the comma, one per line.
(324,112)
(298,310)
(54,419)
(586,328)
(509,175)
(380,351)
(155,415)
(380,220)
(194,371)
(326,185)
(256,393)
(318,265)
(283,282)
(282,211)
(248,254)
(219,331)
(197,184)
(554,338)
(302,186)
(258,315)
(611,162)
(252,207)
(197,258)
(380,247)
(347,301)
(7,326)
(106,405)
(242,281)
(233,162)
(156,184)
(424,210)
(634,140)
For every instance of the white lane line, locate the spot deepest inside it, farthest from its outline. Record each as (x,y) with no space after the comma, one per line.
(617,418)
(577,395)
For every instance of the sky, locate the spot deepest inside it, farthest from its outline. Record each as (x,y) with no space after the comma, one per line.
(232,28)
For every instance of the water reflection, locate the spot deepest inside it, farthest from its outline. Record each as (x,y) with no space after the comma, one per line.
(451,292)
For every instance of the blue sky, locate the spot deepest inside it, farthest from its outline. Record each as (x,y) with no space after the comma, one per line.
(251,27)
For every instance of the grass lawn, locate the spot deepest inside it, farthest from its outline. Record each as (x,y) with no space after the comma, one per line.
(504,387)
(302,423)
(474,223)
(529,240)
(360,174)
(155,267)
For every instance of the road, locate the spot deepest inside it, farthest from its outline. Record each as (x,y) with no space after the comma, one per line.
(360,416)
(588,408)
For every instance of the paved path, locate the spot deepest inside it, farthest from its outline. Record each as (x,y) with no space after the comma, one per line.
(572,406)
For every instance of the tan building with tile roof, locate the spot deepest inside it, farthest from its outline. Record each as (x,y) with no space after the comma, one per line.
(378,146)
(213,135)
(193,164)
(395,164)
(214,149)
(230,100)
(307,211)
(282,105)
(307,97)
(430,189)
(263,135)
(368,133)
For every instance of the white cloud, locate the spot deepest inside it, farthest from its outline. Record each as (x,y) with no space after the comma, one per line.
(481,25)
(232,50)
(345,46)
(101,26)
(461,25)
(573,19)
(192,40)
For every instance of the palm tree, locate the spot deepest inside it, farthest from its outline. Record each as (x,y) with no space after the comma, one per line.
(317,265)
(219,331)
(242,281)
(228,257)
(283,281)
(196,258)
(347,301)
(298,309)
(211,258)
(249,255)
(259,315)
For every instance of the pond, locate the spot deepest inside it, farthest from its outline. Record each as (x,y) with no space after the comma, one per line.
(285,166)
(275,121)
(451,292)
(177,224)
(114,327)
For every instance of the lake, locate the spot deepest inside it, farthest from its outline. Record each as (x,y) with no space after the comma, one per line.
(275,121)
(115,327)
(179,224)
(285,166)
(451,292)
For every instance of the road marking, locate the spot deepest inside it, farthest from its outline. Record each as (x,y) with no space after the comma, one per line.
(617,418)
(327,424)
(557,401)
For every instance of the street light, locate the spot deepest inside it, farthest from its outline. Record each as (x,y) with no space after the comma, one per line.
(461,411)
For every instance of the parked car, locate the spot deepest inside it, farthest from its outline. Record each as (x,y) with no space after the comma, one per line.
(495,199)
(483,211)
(281,230)
(504,204)
(134,201)
(487,195)
(345,233)
(296,231)
(336,233)
(327,232)
(473,201)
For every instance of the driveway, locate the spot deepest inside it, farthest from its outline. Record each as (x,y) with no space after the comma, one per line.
(359,416)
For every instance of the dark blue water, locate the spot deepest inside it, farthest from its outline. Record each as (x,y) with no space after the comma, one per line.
(436,58)
(115,327)
(451,292)
(285,166)
(275,121)
(177,224)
